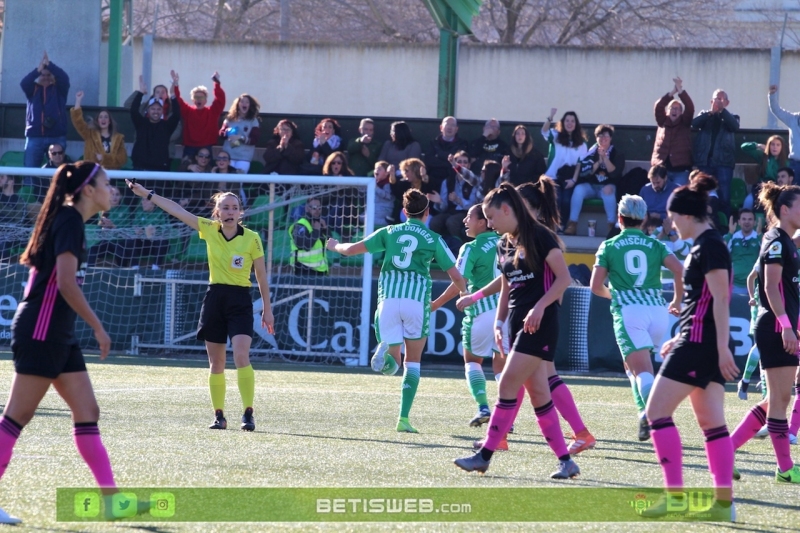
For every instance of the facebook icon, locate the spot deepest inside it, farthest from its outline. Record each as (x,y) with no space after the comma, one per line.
(87,504)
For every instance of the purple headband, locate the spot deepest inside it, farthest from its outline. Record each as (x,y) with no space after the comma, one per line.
(87,180)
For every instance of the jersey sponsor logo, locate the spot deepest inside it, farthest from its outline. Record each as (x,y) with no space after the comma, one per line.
(775,249)
(237,261)
(522,277)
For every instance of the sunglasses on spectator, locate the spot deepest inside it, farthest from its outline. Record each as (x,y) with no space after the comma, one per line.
(57,153)
(462,161)
(223,159)
(205,156)
(315,207)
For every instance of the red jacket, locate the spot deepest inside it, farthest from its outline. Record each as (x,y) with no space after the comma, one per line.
(673,139)
(201,126)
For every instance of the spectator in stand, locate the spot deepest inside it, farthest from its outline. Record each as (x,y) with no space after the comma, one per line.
(601,170)
(56,156)
(673,146)
(152,230)
(160,92)
(196,197)
(656,193)
(772,156)
(102,141)
(119,216)
(327,139)
(284,152)
(309,235)
(363,151)
(792,121)
(151,148)
(785,176)
(46,88)
(488,179)
(200,122)
(718,211)
(447,143)
(454,199)
(342,204)
(489,146)
(745,247)
(567,149)
(223,166)
(524,163)
(241,132)
(415,176)
(714,146)
(400,146)
(384,200)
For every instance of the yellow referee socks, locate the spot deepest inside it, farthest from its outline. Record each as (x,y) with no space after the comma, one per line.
(216,384)
(247,385)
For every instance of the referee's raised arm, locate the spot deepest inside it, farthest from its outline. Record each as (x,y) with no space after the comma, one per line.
(165,204)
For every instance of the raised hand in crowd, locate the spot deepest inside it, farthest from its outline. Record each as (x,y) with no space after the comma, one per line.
(215,77)
(43,64)
(773,89)
(78,99)
(175,77)
(506,163)
(678,88)
(731,225)
(142,85)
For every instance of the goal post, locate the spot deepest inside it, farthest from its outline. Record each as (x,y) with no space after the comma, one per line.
(147,271)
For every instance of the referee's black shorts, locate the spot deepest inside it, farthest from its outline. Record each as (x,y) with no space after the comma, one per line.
(227,311)
(693,363)
(45,358)
(770,344)
(542,344)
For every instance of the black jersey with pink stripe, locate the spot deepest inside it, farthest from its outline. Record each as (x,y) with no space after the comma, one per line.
(777,248)
(708,253)
(527,287)
(43,314)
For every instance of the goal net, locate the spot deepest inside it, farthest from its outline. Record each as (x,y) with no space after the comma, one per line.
(148,272)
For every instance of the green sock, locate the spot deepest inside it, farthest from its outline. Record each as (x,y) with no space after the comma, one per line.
(216,384)
(752,363)
(637,398)
(247,385)
(477,383)
(409,390)
(763,383)
(389,365)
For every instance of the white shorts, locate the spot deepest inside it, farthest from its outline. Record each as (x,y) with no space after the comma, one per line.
(397,319)
(639,327)
(477,334)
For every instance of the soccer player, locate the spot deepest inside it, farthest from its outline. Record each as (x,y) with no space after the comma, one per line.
(540,199)
(227,309)
(43,341)
(535,277)
(754,356)
(697,360)
(404,292)
(632,262)
(477,263)
(776,328)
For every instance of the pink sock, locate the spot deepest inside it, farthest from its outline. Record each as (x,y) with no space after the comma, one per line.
(779,434)
(749,426)
(90,446)
(547,418)
(794,424)
(504,414)
(669,451)
(9,433)
(565,404)
(719,451)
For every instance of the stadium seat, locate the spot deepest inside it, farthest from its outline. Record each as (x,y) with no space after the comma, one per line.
(281,247)
(260,221)
(593,202)
(256,167)
(26,194)
(196,250)
(738,193)
(12,159)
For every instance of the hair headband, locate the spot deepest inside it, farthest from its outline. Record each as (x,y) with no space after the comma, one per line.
(427,204)
(87,180)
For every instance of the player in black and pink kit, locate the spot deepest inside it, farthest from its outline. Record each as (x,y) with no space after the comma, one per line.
(776,326)
(43,341)
(534,277)
(698,360)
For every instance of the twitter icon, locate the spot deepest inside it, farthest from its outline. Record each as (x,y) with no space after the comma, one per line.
(124,505)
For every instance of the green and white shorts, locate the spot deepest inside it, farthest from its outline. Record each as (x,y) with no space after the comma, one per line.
(639,327)
(477,334)
(397,319)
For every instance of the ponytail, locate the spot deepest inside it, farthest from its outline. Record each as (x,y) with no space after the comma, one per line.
(66,184)
(542,197)
(772,196)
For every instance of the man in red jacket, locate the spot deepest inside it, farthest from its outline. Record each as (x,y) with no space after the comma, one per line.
(200,122)
(673,147)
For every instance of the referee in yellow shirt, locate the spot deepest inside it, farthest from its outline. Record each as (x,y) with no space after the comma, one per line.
(227,306)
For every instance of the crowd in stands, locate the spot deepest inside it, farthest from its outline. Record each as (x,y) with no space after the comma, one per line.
(455,172)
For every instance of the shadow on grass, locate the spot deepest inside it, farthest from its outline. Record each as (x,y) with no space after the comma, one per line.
(379,441)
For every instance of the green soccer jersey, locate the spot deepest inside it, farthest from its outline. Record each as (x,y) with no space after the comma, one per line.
(477,262)
(744,254)
(406,271)
(633,261)
(681,249)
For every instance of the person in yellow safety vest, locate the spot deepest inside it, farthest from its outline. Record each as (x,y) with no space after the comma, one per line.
(309,234)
